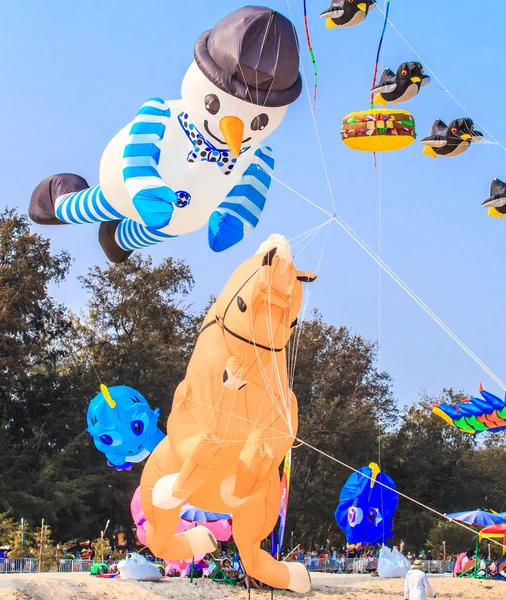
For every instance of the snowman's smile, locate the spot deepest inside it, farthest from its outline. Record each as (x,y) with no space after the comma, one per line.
(206,127)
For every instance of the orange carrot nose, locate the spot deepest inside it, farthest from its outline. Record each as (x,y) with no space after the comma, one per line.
(233,132)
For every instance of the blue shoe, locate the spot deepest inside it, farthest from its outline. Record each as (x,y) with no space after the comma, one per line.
(225,230)
(155,206)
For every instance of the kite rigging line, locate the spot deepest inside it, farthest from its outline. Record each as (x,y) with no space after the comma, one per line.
(385,267)
(391,273)
(376,66)
(384,485)
(311,54)
(379,52)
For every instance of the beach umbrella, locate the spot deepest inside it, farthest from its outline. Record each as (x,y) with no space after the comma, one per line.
(477,518)
(197,515)
(495,531)
(219,524)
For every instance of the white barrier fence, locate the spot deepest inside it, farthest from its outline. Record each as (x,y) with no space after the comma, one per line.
(366,565)
(31,565)
(321,565)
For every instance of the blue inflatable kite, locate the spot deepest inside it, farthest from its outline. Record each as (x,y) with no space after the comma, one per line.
(366,509)
(123,426)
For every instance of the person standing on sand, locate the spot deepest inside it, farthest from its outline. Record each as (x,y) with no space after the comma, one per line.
(416,583)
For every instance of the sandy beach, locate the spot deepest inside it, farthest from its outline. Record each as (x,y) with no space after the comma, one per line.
(82,586)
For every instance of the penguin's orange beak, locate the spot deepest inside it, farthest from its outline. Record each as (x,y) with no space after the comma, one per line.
(362,6)
(232,129)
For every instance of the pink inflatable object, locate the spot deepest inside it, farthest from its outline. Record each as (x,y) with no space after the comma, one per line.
(174,565)
(222,530)
(138,516)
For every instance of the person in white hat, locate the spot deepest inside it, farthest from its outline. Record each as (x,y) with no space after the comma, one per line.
(417,583)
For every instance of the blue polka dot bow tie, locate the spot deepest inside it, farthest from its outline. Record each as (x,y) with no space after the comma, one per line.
(203,150)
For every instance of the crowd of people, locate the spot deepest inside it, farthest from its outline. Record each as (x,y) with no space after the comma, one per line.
(336,561)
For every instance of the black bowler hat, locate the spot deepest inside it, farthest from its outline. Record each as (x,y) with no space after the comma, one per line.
(253,54)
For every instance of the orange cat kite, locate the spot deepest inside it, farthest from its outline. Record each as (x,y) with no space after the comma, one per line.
(233,419)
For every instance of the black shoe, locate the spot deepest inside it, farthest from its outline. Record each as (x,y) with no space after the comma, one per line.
(41,208)
(106,237)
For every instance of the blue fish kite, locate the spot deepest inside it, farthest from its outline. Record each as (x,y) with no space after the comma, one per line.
(366,509)
(123,426)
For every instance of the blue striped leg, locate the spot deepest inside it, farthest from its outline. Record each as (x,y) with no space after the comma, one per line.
(87,206)
(153,199)
(131,235)
(235,218)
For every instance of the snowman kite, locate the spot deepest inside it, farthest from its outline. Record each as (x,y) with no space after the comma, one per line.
(183,163)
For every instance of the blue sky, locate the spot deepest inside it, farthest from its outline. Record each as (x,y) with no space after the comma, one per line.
(75,73)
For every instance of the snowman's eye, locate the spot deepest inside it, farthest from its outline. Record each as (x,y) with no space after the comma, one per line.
(212,103)
(260,122)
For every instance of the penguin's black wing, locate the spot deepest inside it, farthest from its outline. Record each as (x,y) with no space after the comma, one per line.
(437,138)
(497,197)
(425,80)
(387,82)
(438,128)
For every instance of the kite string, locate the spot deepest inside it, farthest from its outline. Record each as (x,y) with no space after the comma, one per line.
(311,54)
(379,52)
(317,133)
(380,203)
(361,243)
(391,273)
(384,485)
(312,237)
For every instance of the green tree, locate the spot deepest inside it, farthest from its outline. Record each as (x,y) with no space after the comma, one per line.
(32,325)
(102,546)
(138,331)
(16,535)
(342,399)
(44,547)
(457,539)
(429,461)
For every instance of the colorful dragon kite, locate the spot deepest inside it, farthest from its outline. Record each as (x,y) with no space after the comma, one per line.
(475,414)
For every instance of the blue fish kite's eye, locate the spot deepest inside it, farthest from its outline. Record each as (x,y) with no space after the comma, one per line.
(106,439)
(137,427)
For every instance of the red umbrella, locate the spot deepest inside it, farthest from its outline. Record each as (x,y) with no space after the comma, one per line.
(495,531)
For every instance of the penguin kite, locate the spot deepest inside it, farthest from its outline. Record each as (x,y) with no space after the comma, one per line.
(496,202)
(183,164)
(401,86)
(452,139)
(347,13)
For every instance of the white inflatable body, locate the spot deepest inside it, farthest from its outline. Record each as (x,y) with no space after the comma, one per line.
(392,563)
(206,183)
(135,566)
